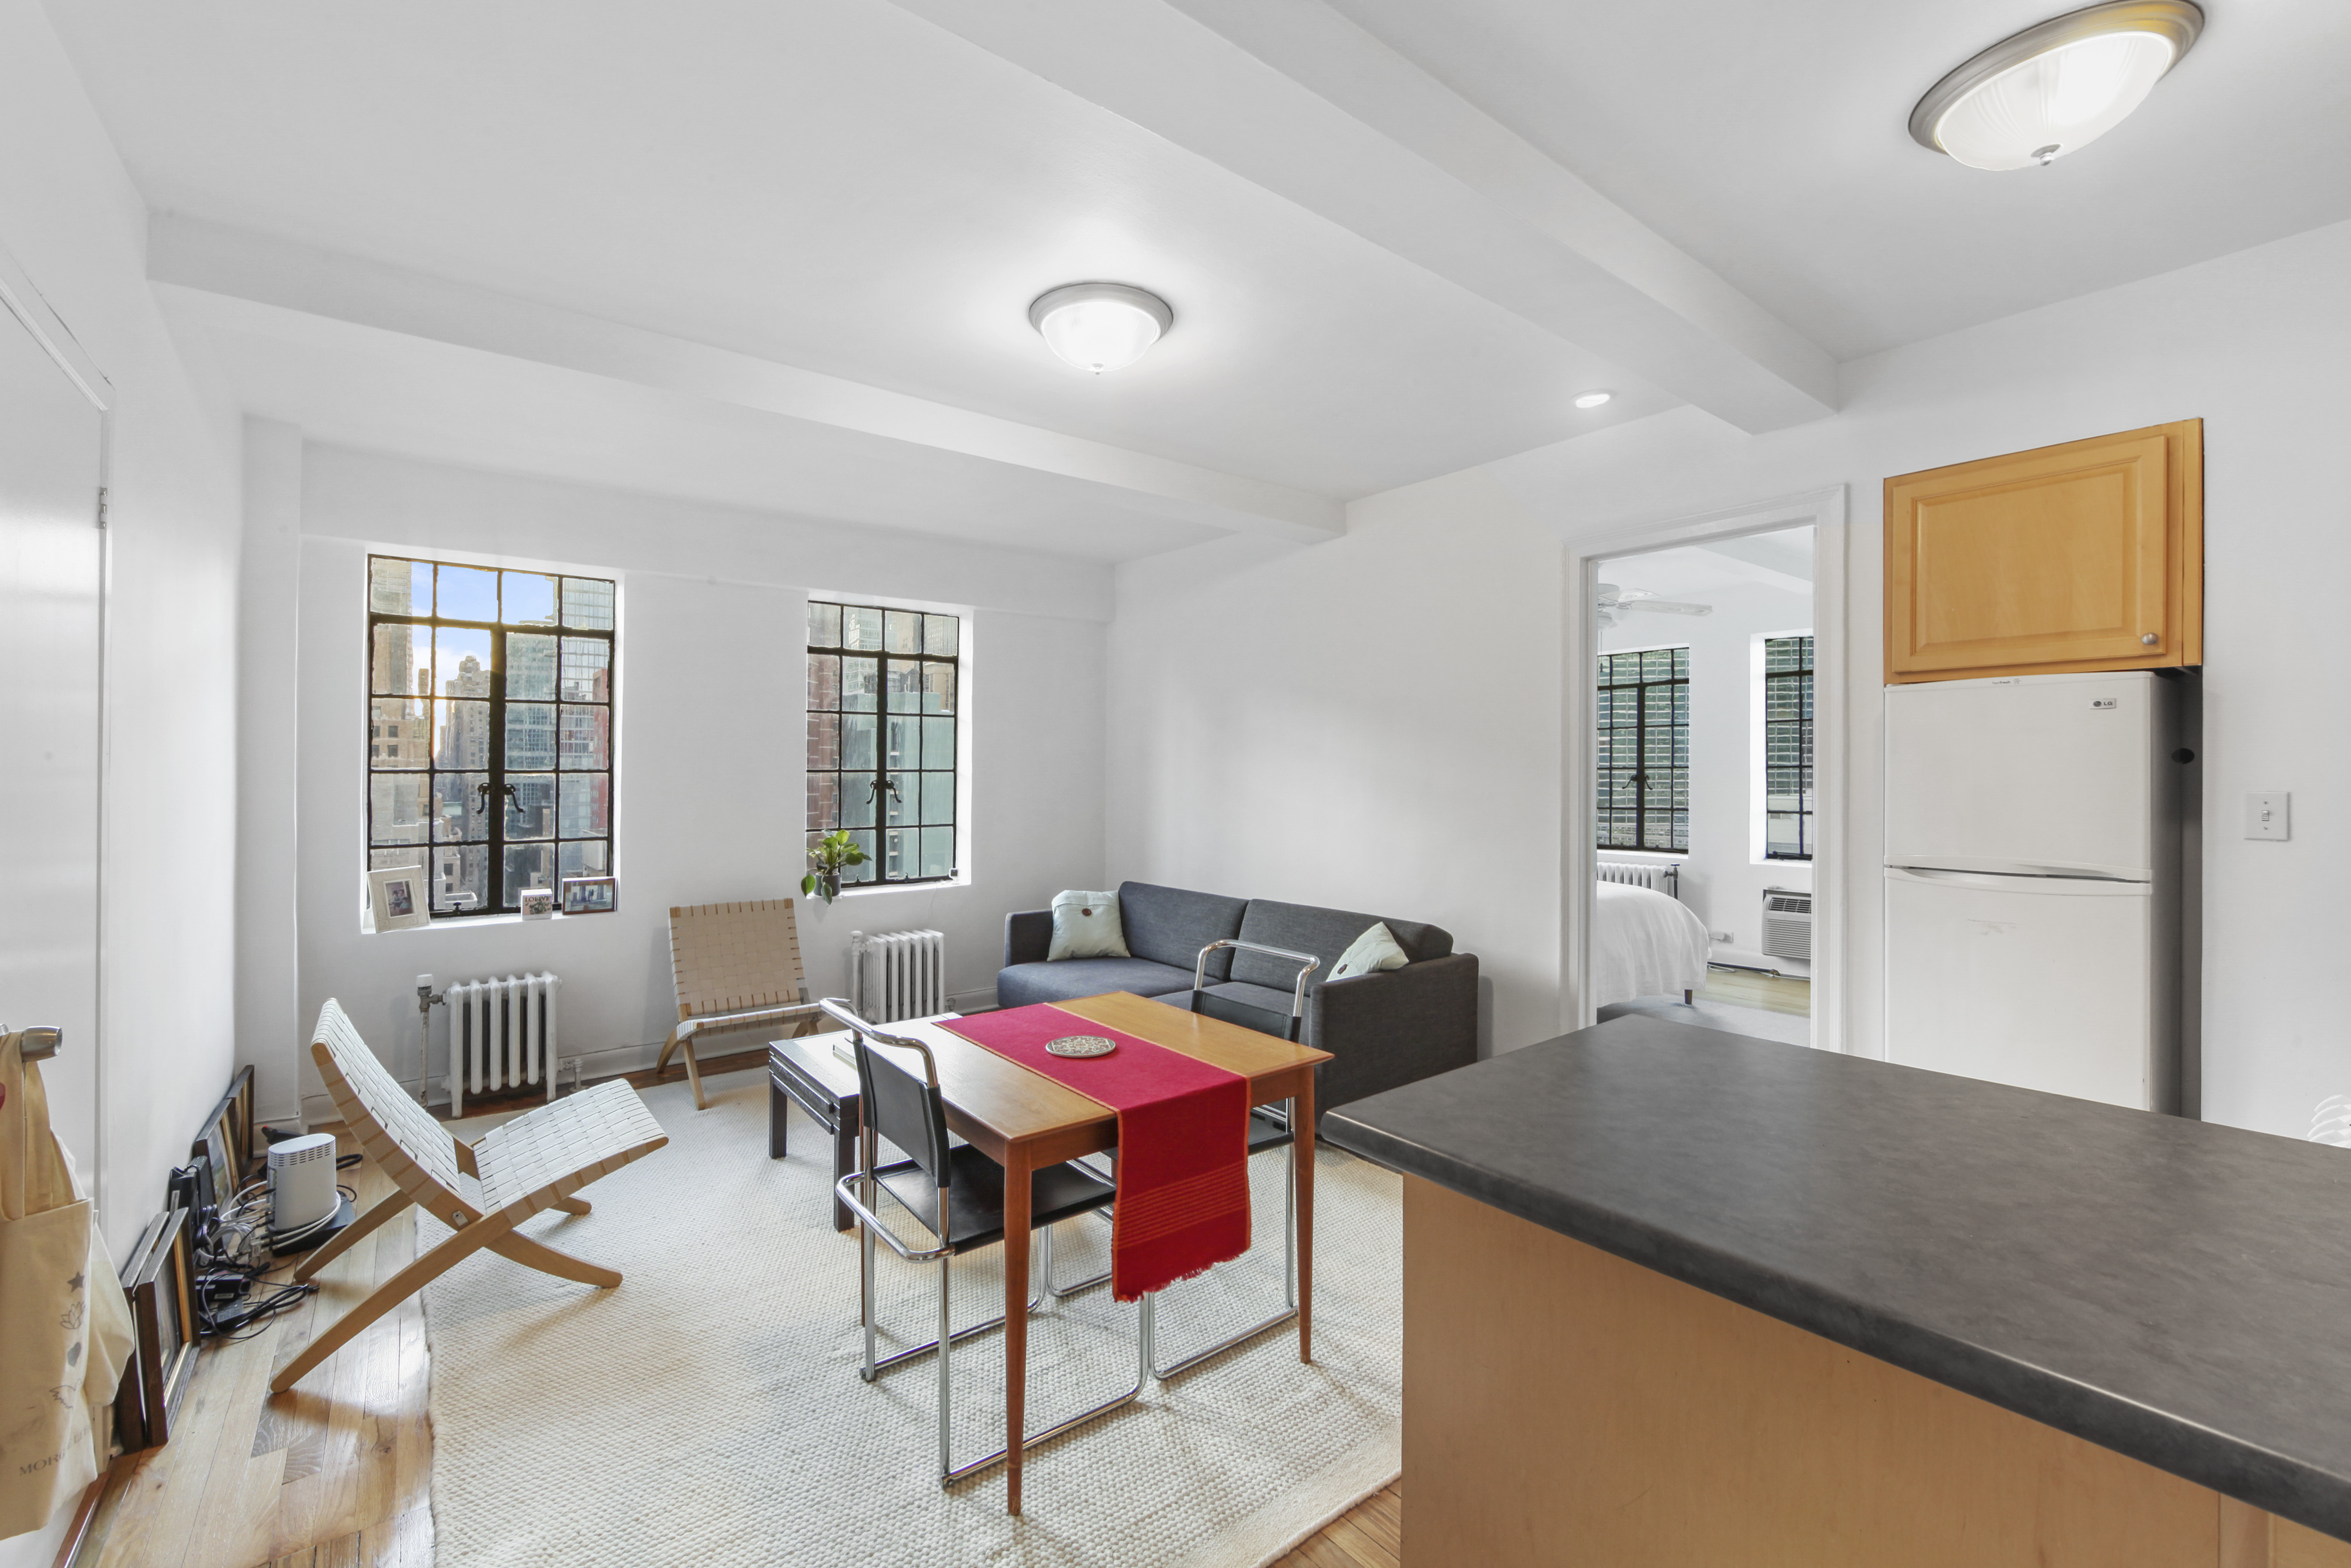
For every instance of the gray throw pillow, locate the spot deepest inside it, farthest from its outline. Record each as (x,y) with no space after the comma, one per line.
(1086,925)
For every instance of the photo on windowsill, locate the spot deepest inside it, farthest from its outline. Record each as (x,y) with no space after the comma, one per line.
(538,903)
(398,895)
(591,895)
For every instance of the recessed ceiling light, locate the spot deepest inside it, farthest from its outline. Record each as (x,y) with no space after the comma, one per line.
(1100,326)
(1592,400)
(2055,89)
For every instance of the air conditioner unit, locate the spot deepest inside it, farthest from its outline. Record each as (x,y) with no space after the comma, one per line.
(1788,923)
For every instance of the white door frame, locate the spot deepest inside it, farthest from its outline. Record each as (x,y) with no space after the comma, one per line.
(1825,512)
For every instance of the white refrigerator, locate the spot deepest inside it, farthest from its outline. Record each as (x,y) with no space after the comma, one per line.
(2033,881)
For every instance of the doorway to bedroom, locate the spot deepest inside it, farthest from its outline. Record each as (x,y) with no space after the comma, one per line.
(1706,810)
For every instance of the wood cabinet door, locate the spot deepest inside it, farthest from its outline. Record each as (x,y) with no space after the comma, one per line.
(2087,556)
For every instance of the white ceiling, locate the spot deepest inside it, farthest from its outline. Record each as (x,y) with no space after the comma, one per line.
(1771,142)
(832,185)
(778,254)
(1781,561)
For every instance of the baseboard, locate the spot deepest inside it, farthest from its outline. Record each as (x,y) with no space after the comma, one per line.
(972,1001)
(589,1066)
(77,1532)
(1743,958)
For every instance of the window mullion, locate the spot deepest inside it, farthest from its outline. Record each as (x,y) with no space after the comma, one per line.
(494,873)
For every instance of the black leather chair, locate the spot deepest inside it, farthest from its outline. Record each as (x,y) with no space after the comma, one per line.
(956,1194)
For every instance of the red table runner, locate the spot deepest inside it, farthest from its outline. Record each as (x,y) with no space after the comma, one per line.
(1183,1141)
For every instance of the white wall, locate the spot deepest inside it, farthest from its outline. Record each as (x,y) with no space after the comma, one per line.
(70,217)
(1723,876)
(711,770)
(268,1002)
(1304,723)
(69,214)
(1370,724)
(2252,344)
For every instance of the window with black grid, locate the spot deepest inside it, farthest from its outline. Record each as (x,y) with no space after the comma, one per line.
(883,705)
(490,729)
(1788,748)
(1643,711)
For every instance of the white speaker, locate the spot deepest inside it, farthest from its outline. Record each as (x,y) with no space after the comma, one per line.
(302,1196)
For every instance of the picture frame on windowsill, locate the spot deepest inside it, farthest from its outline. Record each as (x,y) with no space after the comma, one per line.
(402,897)
(591,895)
(538,903)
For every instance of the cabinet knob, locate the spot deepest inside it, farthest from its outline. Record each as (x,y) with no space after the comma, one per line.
(2149,638)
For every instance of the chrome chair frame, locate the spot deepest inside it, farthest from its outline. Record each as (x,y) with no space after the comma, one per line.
(860,1189)
(1289,1313)
(1297,991)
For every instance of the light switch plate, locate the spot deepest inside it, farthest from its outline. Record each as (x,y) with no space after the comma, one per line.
(2269,814)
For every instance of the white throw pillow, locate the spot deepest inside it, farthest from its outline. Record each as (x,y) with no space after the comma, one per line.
(1376,949)
(1086,925)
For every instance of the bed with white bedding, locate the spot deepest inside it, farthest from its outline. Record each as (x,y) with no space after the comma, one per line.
(1643,944)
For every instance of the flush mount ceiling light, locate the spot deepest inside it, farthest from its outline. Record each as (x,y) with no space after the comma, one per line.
(1100,326)
(2055,89)
(1592,400)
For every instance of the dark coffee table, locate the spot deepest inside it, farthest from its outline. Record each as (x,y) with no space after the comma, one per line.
(806,1071)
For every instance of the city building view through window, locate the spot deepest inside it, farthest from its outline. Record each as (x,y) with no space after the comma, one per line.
(884,701)
(1788,748)
(490,729)
(1642,709)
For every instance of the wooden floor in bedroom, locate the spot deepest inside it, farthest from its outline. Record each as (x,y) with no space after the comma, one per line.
(337,1473)
(1776,994)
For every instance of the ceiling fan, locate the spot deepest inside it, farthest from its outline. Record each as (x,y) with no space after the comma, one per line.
(1613,602)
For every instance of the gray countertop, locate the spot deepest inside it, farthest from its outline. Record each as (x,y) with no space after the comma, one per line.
(2176,1290)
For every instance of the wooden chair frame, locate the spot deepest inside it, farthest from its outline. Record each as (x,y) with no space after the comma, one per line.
(734,965)
(484,1190)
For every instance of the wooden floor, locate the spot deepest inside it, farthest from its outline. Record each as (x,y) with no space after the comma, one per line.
(1368,1535)
(1784,993)
(337,1473)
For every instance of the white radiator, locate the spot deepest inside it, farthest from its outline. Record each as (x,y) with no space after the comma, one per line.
(501,1035)
(1666,880)
(898,974)
(1788,924)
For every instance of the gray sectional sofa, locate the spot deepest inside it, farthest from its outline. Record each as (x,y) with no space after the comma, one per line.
(1382,1030)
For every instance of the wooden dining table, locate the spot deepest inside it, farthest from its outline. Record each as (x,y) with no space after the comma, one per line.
(1024,1121)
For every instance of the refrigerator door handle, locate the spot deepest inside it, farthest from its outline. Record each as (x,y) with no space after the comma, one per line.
(1928,862)
(2054,887)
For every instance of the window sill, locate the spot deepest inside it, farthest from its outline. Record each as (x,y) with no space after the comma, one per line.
(1668,856)
(367,928)
(869,889)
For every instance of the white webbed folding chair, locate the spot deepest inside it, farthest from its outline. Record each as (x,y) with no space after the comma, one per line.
(484,1189)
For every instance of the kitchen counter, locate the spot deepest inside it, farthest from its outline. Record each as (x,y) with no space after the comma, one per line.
(2176,1291)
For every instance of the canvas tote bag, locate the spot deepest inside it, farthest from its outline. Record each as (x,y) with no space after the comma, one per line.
(64,1323)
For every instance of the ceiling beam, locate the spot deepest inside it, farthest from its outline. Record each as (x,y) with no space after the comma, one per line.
(1295,98)
(209,258)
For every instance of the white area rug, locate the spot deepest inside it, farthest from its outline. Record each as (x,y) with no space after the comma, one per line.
(709,1411)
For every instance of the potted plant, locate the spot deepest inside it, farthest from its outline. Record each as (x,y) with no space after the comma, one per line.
(827,856)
